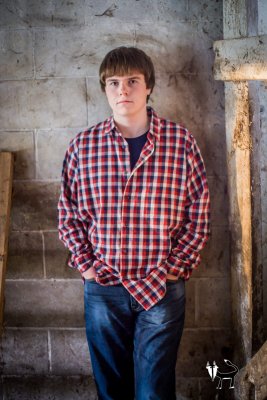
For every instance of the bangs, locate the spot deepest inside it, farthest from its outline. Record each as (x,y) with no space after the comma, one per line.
(120,70)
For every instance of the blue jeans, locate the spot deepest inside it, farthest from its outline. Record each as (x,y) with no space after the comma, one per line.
(133,351)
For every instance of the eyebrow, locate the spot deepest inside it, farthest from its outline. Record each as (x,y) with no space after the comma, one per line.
(116,79)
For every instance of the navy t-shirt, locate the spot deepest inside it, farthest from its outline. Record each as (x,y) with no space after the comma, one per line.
(135,147)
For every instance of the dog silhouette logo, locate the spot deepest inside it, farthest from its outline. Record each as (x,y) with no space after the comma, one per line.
(214,372)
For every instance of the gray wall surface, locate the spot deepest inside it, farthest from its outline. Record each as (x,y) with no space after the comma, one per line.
(49,57)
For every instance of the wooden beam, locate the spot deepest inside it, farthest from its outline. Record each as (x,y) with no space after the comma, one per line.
(241,59)
(238,160)
(6,176)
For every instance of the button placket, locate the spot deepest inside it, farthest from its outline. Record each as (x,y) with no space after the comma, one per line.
(127,198)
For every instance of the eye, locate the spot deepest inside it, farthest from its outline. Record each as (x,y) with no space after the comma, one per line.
(132,81)
(113,83)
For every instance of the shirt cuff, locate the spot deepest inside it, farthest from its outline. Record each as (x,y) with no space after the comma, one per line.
(176,268)
(82,262)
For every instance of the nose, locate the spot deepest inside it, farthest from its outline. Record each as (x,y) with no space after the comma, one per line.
(123,88)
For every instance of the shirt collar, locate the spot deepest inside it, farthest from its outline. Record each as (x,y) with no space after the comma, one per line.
(154,128)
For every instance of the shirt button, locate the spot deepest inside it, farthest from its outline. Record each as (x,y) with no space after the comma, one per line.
(124,251)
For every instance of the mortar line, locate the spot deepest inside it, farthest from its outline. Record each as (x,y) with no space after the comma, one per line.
(79,376)
(54,77)
(35,152)
(134,36)
(87,99)
(44,280)
(34,230)
(196,302)
(49,350)
(43,245)
(2,383)
(44,329)
(187,10)
(37,180)
(33,52)
(199,386)
(18,130)
(82,329)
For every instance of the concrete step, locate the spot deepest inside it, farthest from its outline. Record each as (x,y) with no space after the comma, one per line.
(54,363)
(47,388)
(82,388)
(44,303)
(44,352)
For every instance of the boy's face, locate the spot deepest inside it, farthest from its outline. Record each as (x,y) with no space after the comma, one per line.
(127,94)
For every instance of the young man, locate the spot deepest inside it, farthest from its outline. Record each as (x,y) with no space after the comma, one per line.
(134,213)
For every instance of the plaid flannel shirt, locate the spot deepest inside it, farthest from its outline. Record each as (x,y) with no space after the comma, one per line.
(135,226)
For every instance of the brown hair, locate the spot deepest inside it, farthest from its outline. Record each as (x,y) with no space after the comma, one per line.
(124,61)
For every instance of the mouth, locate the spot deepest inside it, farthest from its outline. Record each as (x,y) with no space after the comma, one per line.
(124,102)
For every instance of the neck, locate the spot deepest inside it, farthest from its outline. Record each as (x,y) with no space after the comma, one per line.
(132,126)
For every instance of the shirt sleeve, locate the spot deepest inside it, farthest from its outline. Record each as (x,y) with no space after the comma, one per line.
(195,232)
(73,231)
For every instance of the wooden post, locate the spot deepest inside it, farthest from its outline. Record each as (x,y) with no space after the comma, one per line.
(238,158)
(256,206)
(239,183)
(239,58)
(6,176)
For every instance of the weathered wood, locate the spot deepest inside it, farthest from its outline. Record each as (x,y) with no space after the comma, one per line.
(253,376)
(6,175)
(234,19)
(240,17)
(252,17)
(238,156)
(256,196)
(244,59)
(241,59)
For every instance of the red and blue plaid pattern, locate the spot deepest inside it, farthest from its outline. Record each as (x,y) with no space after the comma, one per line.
(135,226)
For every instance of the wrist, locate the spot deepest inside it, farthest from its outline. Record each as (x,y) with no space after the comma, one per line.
(89,273)
(172,277)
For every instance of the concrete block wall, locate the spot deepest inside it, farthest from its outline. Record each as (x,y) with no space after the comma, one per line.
(49,57)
